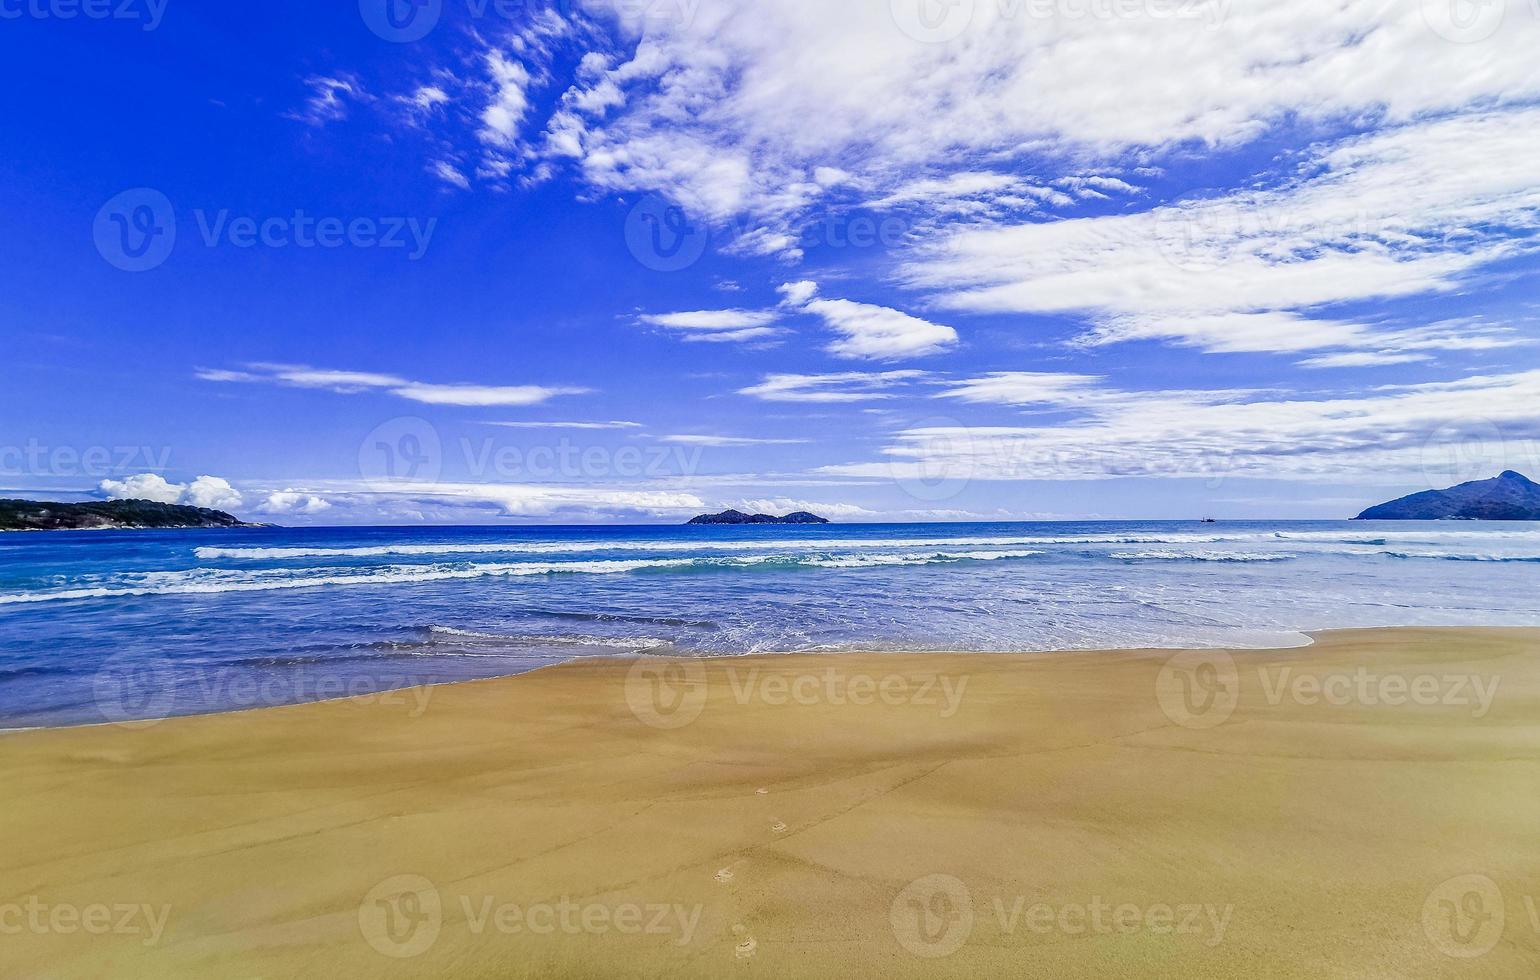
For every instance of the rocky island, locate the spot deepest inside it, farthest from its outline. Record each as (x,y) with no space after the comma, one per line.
(731,517)
(1509,497)
(37,515)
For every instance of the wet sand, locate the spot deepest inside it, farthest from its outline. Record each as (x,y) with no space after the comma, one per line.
(1366,807)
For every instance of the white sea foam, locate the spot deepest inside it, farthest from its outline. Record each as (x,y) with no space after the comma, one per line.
(617,643)
(1377,537)
(214,581)
(1174,555)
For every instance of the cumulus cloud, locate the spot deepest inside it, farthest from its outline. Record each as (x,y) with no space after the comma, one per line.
(206,491)
(289,502)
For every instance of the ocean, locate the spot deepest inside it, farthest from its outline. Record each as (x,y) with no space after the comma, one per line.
(118,626)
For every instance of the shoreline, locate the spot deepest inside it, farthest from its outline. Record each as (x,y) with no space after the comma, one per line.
(816,815)
(1308,637)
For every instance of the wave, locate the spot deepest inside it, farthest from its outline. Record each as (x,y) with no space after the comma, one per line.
(1376,537)
(218,581)
(1225,556)
(540,639)
(1452,556)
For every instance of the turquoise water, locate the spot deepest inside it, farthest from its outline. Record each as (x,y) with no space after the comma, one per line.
(111,626)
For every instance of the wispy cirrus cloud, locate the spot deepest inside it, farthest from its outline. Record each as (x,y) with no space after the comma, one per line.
(354,382)
(847,386)
(1389,435)
(717,326)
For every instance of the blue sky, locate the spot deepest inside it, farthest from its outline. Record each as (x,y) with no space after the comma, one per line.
(634,259)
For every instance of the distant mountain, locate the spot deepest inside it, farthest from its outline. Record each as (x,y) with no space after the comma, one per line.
(1510,497)
(35,515)
(738,517)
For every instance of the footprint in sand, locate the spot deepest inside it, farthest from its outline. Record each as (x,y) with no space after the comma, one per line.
(724,875)
(778,827)
(746,948)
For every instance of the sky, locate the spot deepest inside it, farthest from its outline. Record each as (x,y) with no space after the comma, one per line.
(470,261)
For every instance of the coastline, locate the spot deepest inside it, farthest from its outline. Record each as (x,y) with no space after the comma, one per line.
(807,815)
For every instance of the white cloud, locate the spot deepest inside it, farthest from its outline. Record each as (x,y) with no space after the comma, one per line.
(329,98)
(716,326)
(145,486)
(353,382)
(869,331)
(849,386)
(504,115)
(205,491)
(449,174)
(756,108)
(1398,213)
(590,426)
(798,294)
(1390,435)
(781,506)
(729,441)
(292,502)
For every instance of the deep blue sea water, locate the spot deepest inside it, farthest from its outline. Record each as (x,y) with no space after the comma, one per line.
(111,625)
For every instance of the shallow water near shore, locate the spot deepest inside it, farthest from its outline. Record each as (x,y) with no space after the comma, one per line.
(109,626)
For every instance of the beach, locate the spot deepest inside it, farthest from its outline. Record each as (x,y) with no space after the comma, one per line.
(1366,806)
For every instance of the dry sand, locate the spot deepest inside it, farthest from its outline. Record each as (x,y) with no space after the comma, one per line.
(1056,816)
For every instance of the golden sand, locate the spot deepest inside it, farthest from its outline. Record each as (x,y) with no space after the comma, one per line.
(1368,807)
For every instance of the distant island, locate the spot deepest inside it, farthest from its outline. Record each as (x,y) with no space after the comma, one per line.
(37,515)
(1509,497)
(738,517)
